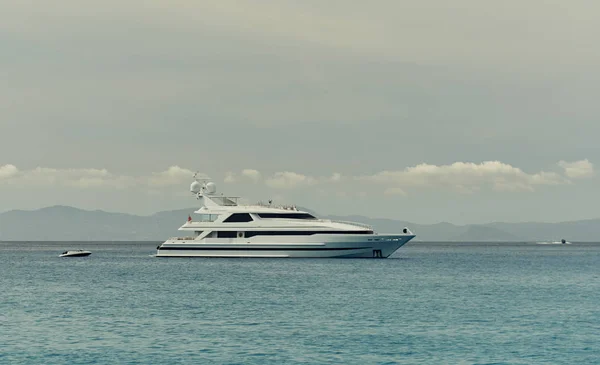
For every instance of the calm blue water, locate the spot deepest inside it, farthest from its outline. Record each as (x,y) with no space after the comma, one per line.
(431,303)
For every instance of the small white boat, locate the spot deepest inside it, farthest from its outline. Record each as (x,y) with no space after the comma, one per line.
(75,253)
(561,242)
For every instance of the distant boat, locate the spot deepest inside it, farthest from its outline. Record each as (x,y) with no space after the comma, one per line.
(75,253)
(561,242)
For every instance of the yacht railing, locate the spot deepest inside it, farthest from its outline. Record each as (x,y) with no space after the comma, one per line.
(363,225)
(182,238)
(225,201)
(285,207)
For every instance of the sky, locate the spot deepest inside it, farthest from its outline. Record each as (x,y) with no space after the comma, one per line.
(425,111)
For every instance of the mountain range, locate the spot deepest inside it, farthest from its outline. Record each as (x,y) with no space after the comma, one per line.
(64,223)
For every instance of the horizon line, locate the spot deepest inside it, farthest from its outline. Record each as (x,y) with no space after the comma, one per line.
(320,215)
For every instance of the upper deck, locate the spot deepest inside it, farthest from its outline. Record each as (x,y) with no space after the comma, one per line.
(218,208)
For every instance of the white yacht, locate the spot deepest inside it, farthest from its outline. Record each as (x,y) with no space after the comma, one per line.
(226,229)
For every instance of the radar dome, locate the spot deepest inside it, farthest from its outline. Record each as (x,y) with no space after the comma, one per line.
(195,187)
(211,188)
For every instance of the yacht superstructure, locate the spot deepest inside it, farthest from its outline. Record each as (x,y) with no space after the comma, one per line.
(226,229)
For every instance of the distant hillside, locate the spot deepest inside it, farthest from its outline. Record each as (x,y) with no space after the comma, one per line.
(485,233)
(72,224)
(68,223)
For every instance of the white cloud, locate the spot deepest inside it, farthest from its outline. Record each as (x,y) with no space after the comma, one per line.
(461,177)
(172,176)
(8,171)
(285,179)
(232,177)
(289,180)
(91,178)
(465,177)
(578,169)
(78,178)
(254,175)
(336,177)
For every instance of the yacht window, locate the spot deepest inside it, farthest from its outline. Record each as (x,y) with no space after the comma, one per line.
(286,215)
(238,217)
(226,234)
(301,233)
(207,217)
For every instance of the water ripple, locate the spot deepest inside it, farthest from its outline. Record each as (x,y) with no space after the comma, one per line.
(431,304)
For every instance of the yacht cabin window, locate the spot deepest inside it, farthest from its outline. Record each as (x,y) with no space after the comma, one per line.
(286,216)
(226,234)
(238,217)
(249,234)
(207,217)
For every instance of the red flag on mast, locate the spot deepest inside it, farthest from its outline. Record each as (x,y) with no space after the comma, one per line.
(189,218)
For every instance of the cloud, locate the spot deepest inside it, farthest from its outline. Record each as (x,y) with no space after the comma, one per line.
(8,171)
(174,175)
(77,178)
(254,175)
(578,169)
(336,177)
(285,179)
(358,26)
(91,178)
(465,177)
(461,177)
(289,180)
(232,177)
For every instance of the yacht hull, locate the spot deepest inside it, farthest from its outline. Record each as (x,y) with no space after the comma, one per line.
(316,246)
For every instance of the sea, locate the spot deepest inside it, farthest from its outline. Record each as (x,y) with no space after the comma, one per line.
(429,303)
